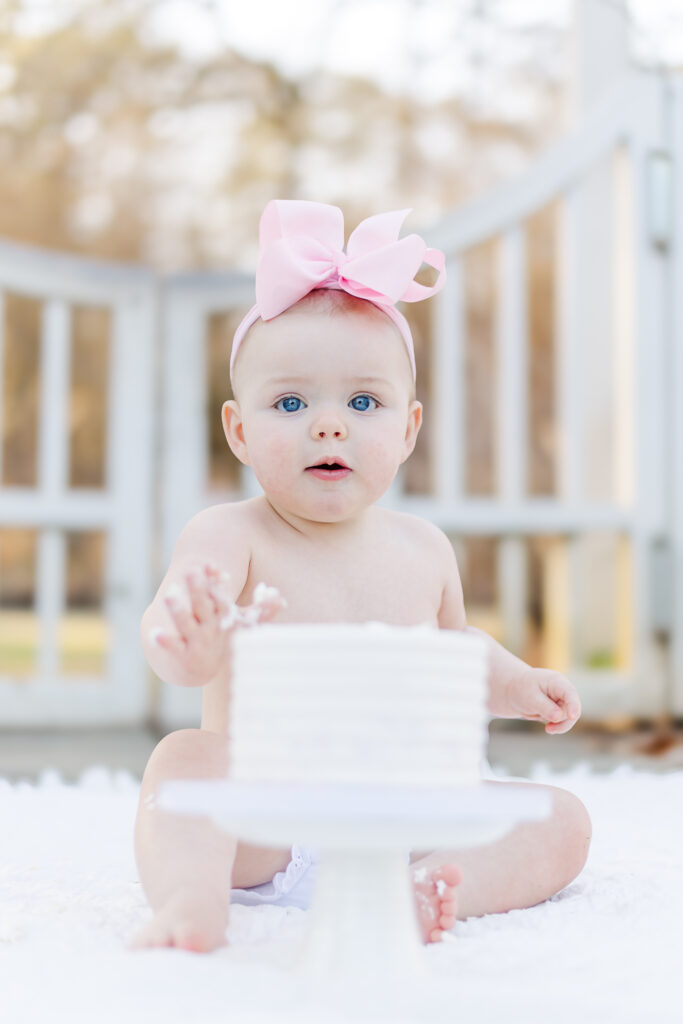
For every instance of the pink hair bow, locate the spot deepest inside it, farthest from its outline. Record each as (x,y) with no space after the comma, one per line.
(302,247)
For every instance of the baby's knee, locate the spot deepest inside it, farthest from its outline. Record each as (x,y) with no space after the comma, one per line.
(188,753)
(573,829)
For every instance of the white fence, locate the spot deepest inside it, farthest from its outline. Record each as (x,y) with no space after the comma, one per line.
(638,135)
(122,510)
(637,130)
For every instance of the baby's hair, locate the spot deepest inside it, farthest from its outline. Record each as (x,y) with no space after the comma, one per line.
(334,300)
(331,302)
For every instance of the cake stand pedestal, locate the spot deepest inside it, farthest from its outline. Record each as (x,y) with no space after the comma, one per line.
(362,926)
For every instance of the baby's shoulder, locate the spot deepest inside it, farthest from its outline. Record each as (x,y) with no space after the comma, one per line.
(217,532)
(415,529)
(221,517)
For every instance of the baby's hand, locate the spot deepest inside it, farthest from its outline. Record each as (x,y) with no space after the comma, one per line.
(203,617)
(267,603)
(541,695)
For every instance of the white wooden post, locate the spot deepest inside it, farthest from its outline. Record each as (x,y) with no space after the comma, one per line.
(131,479)
(599,57)
(675,439)
(625,301)
(189,300)
(561,595)
(447,411)
(2,373)
(651,272)
(50,589)
(121,510)
(184,459)
(513,429)
(600,67)
(55,380)
(53,469)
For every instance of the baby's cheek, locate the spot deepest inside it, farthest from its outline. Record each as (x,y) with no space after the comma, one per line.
(274,459)
(385,458)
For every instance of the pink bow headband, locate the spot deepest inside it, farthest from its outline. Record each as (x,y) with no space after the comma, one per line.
(301,247)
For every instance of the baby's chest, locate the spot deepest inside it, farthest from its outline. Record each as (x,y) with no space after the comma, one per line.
(390,589)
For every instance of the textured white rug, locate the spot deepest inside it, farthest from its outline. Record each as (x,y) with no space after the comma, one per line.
(606,949)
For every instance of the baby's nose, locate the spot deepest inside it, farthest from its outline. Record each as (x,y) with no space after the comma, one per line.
(328,425)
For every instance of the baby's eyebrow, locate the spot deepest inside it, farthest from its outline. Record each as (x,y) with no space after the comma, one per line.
(272,381)
(277,381)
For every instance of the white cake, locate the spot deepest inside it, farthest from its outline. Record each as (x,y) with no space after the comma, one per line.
(366,703)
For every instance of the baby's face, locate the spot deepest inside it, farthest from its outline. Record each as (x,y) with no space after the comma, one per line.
(313,388)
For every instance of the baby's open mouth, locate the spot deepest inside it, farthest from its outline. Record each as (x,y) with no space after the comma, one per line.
(329,469)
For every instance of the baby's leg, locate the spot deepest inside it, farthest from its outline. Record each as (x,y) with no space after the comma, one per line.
(528,865)
(187,864)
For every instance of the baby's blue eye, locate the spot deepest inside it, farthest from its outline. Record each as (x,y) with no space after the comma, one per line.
(364,403)
(290,403)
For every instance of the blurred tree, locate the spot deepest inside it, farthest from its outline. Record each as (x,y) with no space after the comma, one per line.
(116,146)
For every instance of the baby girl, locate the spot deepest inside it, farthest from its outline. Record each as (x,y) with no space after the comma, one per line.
(324,412)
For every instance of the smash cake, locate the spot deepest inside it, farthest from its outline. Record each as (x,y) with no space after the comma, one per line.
(358,703)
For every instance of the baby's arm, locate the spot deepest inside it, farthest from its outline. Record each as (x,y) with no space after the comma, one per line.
(515,689)
(184,632)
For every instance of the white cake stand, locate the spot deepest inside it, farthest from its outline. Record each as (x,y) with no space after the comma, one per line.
(362,925)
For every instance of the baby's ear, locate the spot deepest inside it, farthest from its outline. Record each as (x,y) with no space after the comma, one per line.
(233,429)
(412,427)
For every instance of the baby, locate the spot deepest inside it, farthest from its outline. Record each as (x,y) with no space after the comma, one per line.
(324,412)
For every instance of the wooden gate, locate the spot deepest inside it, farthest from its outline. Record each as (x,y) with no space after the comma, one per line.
(48,692)
(157,469)
(634,139)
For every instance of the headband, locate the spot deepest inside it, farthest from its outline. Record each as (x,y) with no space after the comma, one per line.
(301,248)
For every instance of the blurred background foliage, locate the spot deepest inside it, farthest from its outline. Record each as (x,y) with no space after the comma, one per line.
(119,144)
(115,144)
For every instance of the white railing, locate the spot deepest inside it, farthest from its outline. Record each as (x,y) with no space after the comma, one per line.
(630,129)
(674,549)
(161,440)
(122,509)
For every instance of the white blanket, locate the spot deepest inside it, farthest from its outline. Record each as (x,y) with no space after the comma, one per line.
(606,949)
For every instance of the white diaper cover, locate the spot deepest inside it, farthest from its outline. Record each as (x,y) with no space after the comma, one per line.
(292,887)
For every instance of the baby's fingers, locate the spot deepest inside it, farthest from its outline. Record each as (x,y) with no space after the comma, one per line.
(564,724)
(182,616)
(227,611)
(547,710)
(173,644)
(200,596)
(267,603)
(559,727)
(270,608)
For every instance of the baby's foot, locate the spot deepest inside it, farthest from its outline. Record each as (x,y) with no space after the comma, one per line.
(435,898)
(187,921)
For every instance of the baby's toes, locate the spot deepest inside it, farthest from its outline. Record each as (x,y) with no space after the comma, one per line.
(448,914)
(153,934)
(445,879)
